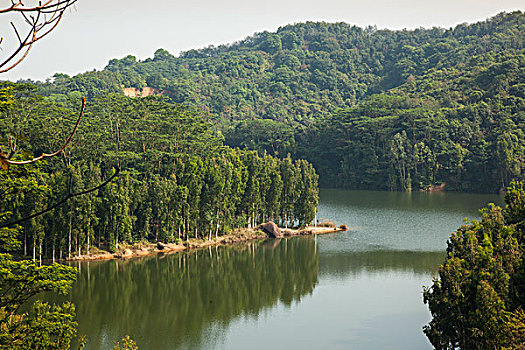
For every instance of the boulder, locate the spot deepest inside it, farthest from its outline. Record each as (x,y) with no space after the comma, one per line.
(272,229)
(161,246)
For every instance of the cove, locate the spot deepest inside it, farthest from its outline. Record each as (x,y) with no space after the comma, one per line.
(359,289)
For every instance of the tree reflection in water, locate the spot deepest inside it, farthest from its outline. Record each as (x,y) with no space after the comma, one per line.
(190,298)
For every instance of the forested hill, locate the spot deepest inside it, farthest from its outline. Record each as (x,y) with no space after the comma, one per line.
(301,71)
(370,108)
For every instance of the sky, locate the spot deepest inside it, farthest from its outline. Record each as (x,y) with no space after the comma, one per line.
(95,31)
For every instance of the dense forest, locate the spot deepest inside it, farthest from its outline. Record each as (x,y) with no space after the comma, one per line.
(178,179)
(371,109)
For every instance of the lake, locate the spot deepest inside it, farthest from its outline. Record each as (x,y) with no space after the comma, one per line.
(361,289)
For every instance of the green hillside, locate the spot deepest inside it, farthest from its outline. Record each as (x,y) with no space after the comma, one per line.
(376,109)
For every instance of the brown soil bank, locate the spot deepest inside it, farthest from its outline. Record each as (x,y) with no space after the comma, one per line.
(238,236)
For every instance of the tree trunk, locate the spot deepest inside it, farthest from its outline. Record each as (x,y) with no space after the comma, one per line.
(100,236)
(116,238)
(69,244)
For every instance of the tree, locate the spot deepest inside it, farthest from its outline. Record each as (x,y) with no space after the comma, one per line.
(477,302)
(44,326)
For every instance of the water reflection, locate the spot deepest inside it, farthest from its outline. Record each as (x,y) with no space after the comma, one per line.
(359,289)
(189,299)
(342,265)
(195,299)
(362,301)
(394,221)
(409,201)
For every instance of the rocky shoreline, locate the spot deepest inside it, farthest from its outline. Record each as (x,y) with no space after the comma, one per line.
(238,236)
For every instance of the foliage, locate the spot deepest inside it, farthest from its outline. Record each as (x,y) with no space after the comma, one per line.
(44,326)
(431,130)
(178,179)
(342,97)
(126,344)
(477,301)
(21,280)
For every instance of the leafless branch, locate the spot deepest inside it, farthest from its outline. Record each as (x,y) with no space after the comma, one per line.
(40,20)
(46,6)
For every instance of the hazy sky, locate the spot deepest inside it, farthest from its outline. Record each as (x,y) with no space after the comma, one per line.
(98,30)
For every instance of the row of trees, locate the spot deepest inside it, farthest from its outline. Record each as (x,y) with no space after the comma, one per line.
(178,180)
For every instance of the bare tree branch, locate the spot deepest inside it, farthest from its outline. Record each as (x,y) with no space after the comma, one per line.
(41,20)
(38,23)
(48,5)
(16,31)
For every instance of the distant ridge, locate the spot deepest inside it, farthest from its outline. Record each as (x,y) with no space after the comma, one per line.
(338,95)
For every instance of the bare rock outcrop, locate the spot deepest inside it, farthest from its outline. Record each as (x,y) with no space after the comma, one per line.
(144,92)
(272,229)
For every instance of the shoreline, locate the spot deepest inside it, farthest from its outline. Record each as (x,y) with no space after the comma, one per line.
(237,236)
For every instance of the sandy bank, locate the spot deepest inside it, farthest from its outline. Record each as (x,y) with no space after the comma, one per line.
(238,236)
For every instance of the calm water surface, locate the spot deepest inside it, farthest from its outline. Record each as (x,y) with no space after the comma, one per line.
(355,290)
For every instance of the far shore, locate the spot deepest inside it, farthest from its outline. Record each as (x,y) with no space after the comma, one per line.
(147,248)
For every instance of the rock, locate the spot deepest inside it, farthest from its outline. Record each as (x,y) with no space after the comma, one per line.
(272,229)
(127,252)
(161,246)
